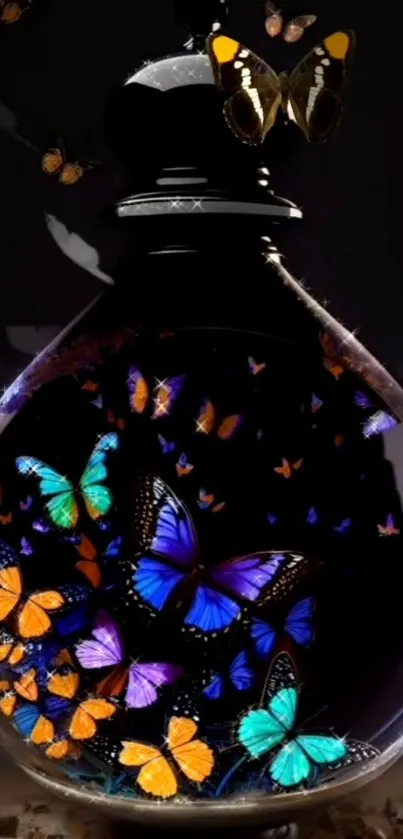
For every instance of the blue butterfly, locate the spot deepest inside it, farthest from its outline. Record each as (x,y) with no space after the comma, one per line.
(297,755)
(343,527)
(171,564)
(298,625)
(240,675)
(312,516)
(167,447)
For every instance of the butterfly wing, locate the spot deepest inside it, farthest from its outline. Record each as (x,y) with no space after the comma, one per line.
(263,636)
(195,760)
(291,766)
(83,725)
(323,750)
(165,394)
(240,672)
(215,689)
(246,576)
(211,611)
(64,685)
(33,620)
(253,87)
(164,525)
(156,776)
(62,506)
(139,391)
(259,732)
(296,27)
(144,679)
(317,86)
(97,497)
(10,590)
(299,622)
(106,647)
(154,581)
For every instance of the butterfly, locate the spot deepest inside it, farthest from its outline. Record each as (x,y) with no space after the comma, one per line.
(167,447)
(240,675)
(256,368)
(286,469)
(343,527)
(294,30)
(12,651)
(26,548)
(88,564)
(378,423)
(312,516)
(157,777)
(62,506)
(32,612)
(12,12)
(54,162)
(298,625)
(33,724)
(183,467)
(165,393)
(6,519)
(106,650)
(207,420)
(316,403)
(168,566)
(389,528)
(333,367)
(362,400)
(311,95)
(83,717)
(298,755)
(114,420)
(207,501)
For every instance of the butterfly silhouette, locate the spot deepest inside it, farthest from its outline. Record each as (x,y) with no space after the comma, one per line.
(312,95)
(271,729)
(62,506)
(298,625)
(157,777)
(378,423)
(32,611)
(207,420)
(88,564)
(165,393)
(240,676)
(168,566)
(12,651)
(106,650)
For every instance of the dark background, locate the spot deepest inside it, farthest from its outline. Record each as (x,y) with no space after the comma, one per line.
(59,64)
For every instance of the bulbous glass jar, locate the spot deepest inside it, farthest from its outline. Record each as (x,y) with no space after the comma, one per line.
(200,533)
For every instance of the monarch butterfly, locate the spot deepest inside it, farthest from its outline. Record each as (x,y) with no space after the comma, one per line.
(54,162)
(207,419)
(62,506)
(88,564)
(286,469)
(157,776)
(11,650)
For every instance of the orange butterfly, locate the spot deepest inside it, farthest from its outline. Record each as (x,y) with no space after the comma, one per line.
(157,777)
(62,750)
(7,519)
(8,699)
(207,420)
(183,467)
(286,469)
(32,618)
(165,393)
(256,368)
(88,565)
(333,367)
(26,687)
(83,723)
(90,386)
(206,501)
(11,650)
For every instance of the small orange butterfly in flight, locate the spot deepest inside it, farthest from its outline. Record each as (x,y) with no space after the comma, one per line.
(165,393)
(286,469)
(256,368)
(12,651)
(207,420)
(26,688)
(32,617)
(84,717)
(157,777)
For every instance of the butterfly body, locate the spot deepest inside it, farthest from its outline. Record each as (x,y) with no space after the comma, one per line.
(312,95)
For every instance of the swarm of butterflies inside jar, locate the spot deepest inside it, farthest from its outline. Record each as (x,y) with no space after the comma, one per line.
(188,514)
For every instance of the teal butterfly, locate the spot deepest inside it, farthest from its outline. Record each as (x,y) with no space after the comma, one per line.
(298,756)
(62,506)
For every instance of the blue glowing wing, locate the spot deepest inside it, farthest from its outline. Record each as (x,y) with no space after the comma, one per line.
(164,525)
(240,672)
(299,622)
(259,732)
(56,707)
(215,689)
(154,581)
(26,718)
(263,636)
(291,767)
(283,707)
(323,750)
(211,611)
(114,547)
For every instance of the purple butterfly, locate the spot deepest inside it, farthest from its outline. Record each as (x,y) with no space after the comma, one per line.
(312,517)
(170,562)
(140,680)
(26,548)
(361,400)
(25,505)
(343,527)
(378,423)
